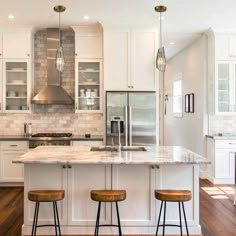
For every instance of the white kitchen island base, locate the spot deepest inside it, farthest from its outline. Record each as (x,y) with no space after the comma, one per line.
(138,213)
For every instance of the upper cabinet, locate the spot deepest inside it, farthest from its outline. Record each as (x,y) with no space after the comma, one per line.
(129,59)
(16,44)
(15,70)
(88,41)
(221,73)
(225,47)
(88,68)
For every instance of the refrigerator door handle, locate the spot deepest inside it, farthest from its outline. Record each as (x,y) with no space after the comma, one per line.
(126,125)
(130,126)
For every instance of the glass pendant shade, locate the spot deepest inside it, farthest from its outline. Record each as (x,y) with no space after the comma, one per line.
(59,54)
(161,60)
(60,59)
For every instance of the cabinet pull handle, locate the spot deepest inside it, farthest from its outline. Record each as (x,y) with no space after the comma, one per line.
(152,167)
(28,107)
(76,106)
(28,54)
(76,54)
(157,167)
(64,166)
(13,145)
(232,143)
(69,166)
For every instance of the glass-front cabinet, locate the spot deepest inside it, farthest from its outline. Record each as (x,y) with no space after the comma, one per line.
(16,88)
(226,87)
(88,85)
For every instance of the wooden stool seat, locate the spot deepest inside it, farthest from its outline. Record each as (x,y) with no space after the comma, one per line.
(173,195)
(46,195)
(108,195)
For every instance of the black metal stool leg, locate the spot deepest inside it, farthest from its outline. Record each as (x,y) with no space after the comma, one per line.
(118,219)
(55,222)
(158,222)
(57,216)
(36,218)
(185,219)
(33,226)
(180,220)
(97,220)
(164,220)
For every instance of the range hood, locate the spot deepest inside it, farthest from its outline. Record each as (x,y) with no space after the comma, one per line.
(52,93)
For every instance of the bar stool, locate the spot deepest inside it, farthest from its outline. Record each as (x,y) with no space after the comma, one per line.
(53,196)
(107,196)
(179,196)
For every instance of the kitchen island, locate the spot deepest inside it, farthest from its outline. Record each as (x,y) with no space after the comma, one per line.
(78,170)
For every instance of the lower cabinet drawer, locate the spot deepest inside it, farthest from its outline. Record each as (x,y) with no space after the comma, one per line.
(14,145)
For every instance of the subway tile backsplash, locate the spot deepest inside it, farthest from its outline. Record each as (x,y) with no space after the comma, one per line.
(78,124)
(53,118)
(222,124)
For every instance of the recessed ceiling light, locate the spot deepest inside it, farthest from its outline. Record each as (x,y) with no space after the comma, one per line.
(10,16)
(172,43)
(86,17)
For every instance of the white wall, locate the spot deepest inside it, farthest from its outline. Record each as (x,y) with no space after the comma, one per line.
(189,130)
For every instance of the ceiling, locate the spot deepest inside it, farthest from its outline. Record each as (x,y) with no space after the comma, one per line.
(184,20)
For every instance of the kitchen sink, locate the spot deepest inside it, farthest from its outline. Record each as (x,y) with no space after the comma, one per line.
(115,148)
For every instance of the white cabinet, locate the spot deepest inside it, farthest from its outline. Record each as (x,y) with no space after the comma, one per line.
(81,180)
(16,44)
(129,60)
(88,85)
(225,47)
(15,70)
(88,41)
(139,185)
(222,157)
(138,212)
(10,150)
(16,85)
(140,181)
(221,73)
(77,180)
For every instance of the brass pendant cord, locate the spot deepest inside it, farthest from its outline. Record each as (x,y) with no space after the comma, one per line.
(59,28)
(160,31)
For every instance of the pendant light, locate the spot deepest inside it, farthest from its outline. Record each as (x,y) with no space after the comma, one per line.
(161,58)
(59,54)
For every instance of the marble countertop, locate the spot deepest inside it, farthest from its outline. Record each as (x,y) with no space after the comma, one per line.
(82,155)
(223,137)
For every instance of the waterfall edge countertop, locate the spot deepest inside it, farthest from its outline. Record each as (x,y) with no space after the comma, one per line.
(82,155)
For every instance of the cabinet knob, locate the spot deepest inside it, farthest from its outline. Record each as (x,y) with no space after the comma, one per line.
(28,54)
(157,167)
(76,54)
(64,166)
(152,167)
(0,54)
(69,166)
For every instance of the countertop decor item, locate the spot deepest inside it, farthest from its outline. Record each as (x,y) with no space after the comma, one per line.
(161,58)
(59,55)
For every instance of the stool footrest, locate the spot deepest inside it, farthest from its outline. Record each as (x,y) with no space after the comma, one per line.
(46,225)
(170,225)
(109,225)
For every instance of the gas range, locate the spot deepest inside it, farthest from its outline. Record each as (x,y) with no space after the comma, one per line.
(50,139)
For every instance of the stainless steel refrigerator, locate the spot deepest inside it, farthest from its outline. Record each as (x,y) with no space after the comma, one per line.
(133,115)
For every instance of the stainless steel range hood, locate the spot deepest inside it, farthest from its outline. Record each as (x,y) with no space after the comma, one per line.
(52,93)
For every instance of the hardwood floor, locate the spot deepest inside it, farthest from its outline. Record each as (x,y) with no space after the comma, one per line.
(11,210)
(217,212)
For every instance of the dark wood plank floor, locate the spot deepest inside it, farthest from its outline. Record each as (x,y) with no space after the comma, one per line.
(11,210)
(217,213)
